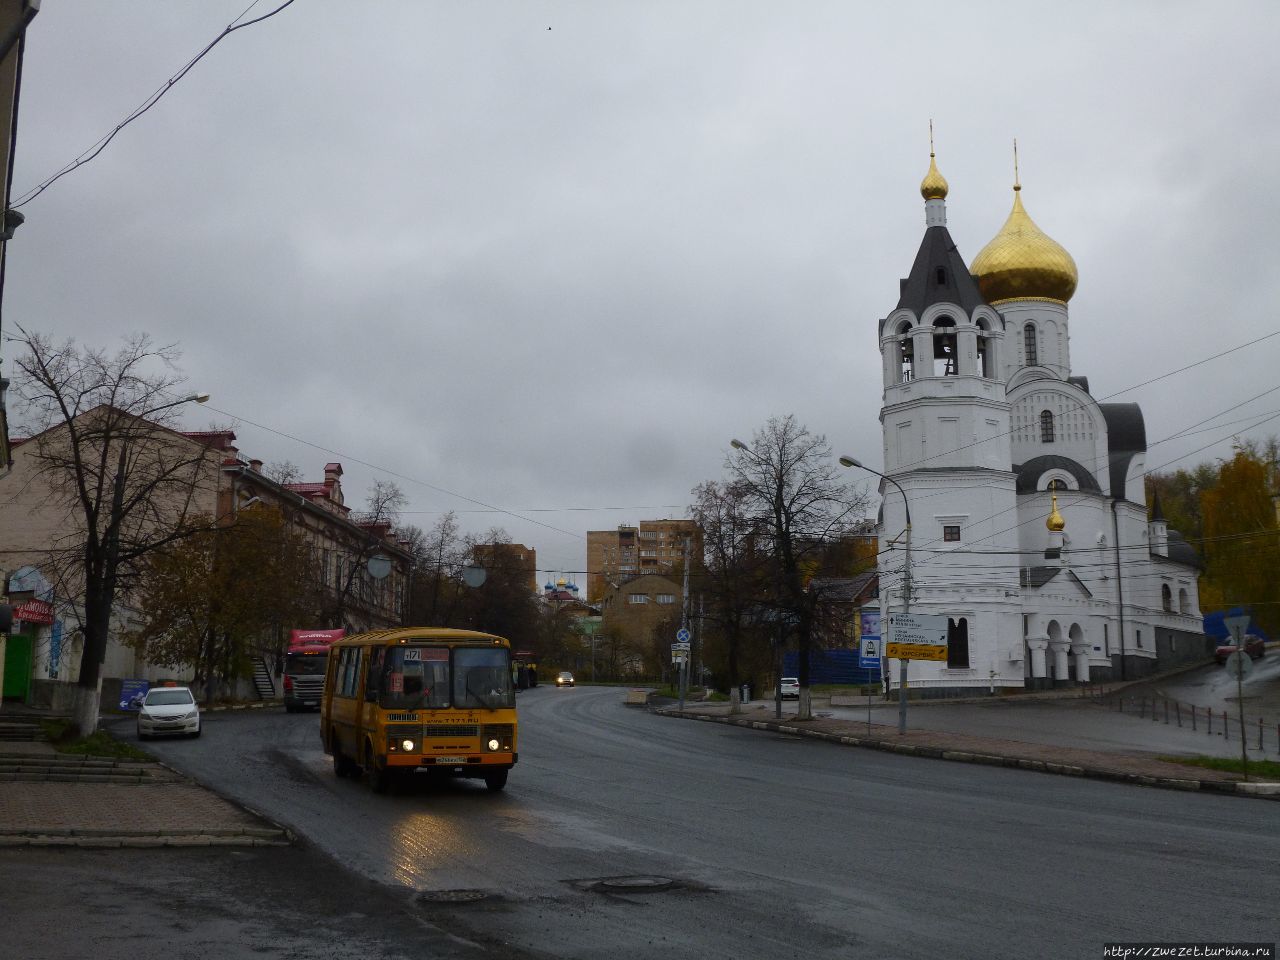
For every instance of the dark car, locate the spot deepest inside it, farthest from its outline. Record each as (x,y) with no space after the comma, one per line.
(1252,646)
(564,679)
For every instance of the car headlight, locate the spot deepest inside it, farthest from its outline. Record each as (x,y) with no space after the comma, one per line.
(494,743)
(407,746)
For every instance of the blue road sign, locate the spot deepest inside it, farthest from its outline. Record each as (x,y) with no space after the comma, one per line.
(682,635)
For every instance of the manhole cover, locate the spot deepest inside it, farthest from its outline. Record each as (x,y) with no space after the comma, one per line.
(451,896)
(640,884)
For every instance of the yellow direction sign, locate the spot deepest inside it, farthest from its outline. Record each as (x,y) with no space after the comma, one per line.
(915,651)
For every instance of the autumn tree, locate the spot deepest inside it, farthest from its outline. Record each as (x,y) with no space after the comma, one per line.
(439,555)
(105,449)
(1241,542)
(797,505)
(382,509)
(219,597)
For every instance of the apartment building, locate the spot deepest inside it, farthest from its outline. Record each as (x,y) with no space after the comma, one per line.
(653,547)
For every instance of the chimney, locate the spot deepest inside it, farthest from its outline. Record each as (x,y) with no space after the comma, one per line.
(255,466)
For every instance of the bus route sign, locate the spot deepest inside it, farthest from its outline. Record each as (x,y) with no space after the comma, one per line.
(916,636)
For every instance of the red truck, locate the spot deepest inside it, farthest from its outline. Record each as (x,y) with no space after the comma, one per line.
(304,666)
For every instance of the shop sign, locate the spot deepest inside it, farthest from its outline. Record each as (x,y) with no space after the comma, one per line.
(34,611)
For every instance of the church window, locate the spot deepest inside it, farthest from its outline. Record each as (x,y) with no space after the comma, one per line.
(958,643)
(951,533)
(1184,602)
(1139,638)
(1166,597)
(1056,484)
(984,356)
(1106,640)
(944,347)
(1029,344)
(942,277)
(1046,426)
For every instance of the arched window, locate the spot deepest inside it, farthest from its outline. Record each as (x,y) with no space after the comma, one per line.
(1056,484)
(986,353)
(958,643)
(944,347)
(906,353)
(1046,426)
(1184,601)
(1166,597)
(1029,344)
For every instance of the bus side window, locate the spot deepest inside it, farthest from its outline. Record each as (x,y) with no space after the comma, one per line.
(373,682)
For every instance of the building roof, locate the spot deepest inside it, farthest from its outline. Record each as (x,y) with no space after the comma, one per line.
(1126,438)
(1029,473)
(921,288)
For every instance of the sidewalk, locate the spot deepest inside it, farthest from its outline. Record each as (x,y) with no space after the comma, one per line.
(964,748)
(49,798)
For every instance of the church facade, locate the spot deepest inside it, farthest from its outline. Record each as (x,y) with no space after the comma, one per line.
(1029,523)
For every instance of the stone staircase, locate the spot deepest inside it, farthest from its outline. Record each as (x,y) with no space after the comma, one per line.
(16,731)
(263,684)
(70,768)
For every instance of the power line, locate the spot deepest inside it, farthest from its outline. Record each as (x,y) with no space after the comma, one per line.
(146,105)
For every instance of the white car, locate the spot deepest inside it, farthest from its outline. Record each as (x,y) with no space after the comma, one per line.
(789,688)
(167,710)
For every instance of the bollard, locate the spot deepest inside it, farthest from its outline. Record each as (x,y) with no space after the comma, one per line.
(1142,714)
(1154,718)
(1177,712)
(1193,716)
(1166,709)
(1209,713)
(1259,734)
(1120,703)
(1226,730)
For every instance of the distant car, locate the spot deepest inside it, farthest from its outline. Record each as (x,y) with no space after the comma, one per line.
(1253,646)
(168,710)
(789,687)
(564,679)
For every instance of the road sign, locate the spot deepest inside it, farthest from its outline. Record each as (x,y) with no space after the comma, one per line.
(1238,665)
(680,648)
(923,628)
(868,653)
(915,651)
(682,635)
(1237,626)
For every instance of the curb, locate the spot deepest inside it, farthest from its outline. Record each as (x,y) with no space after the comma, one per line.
(1263,791)
(138,839)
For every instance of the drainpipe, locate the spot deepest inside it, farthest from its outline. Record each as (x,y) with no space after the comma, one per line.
(1115,528)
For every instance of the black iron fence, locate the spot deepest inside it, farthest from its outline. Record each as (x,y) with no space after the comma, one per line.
(1260,733)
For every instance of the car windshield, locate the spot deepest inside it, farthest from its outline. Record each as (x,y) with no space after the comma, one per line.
(167,698)
(566,675)
(482,678)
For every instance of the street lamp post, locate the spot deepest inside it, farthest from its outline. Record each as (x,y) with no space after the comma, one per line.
(906,584)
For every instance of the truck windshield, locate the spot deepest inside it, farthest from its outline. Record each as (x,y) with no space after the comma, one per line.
(415,678)
(306,664)
(482,678)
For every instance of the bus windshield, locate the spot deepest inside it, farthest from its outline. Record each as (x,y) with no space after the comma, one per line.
(415,677)
(482,678)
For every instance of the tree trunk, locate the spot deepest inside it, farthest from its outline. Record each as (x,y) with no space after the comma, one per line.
(84,713)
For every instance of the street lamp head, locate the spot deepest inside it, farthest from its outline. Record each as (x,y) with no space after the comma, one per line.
(737,444)
(850,462)
(199,397)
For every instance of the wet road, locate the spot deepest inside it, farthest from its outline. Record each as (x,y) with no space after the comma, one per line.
(779,846)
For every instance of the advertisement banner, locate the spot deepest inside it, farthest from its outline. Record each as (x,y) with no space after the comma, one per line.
(34,611)
(132,692)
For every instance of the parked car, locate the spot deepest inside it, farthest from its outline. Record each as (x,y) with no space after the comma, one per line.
(168,710)
(564,679)
(1253,646)
(789,687)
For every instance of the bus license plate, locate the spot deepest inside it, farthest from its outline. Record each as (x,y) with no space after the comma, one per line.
(450,760)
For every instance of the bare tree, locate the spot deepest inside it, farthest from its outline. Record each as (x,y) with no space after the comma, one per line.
(285,471)
(105,451)
(797,506)
(383,504)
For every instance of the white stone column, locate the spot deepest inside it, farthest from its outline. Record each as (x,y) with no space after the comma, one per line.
(1081,652)
(1036,646)
(1061,660)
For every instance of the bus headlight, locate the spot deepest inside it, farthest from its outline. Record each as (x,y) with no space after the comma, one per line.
(494,743)
(407,746)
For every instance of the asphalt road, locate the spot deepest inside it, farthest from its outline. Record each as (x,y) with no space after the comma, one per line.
(777,846)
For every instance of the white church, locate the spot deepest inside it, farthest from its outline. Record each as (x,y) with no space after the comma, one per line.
(1029,520)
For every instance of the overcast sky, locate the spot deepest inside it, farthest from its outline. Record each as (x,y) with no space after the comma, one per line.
(553,256)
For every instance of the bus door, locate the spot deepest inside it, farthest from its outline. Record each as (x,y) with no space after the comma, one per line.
(345,719)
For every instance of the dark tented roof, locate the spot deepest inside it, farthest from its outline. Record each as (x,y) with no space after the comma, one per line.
(1031,471)
(1081,382)
(921,289)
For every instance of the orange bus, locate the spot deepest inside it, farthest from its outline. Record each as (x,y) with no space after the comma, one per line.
(420,699)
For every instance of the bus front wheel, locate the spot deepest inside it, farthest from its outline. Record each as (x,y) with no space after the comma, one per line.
(379,776)
(496,781)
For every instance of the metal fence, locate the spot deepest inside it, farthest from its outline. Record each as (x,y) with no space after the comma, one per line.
(1261,735)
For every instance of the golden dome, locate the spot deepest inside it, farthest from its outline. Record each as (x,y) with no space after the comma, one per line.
(1056,522)
(934,184)
(1022,262)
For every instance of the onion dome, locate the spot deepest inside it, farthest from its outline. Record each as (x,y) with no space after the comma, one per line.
(1056,522)
(934,184)
(1022,262)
